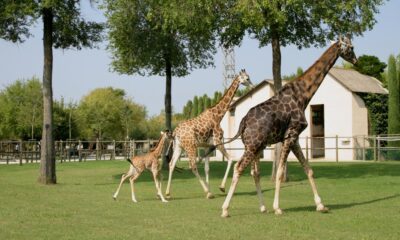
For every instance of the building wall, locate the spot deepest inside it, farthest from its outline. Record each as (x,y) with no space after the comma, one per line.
(338,118)
(241,110)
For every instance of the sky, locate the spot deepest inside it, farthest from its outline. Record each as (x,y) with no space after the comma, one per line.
(77,73)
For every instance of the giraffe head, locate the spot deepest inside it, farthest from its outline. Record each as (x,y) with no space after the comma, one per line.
(347,50)
(167,134)
(244,78)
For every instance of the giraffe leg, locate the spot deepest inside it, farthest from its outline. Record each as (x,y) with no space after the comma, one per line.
(123,178)
(279,174)
(132,180)
(247,157)
(222,149)
(255,172)
(207,170)
(218,136)
(157,182)
(191,152)
(192,161)
(172,164)
(296,149)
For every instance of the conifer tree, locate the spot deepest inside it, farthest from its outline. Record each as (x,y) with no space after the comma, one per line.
(394,99)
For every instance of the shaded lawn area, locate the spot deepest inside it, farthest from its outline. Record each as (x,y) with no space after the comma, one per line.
(364,199)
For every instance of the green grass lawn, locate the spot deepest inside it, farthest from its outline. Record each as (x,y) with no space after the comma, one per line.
(364,199)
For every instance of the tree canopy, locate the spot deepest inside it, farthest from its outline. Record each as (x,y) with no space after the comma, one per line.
(166,38)
(371,66)
(21,110)
(106,113)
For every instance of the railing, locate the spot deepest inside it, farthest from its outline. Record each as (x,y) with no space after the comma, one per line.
(332,148)
(73,150)
(335,148)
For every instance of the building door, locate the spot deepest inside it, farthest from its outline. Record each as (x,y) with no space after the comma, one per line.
(317,131)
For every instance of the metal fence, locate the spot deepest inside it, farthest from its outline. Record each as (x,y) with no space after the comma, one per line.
(73,150)
(334,148)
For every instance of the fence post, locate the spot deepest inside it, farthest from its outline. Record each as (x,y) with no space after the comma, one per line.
(125,149)
(375,148)
(133,148)
(378,148)
(20,152)
(307,148)
(97,148)
(356,147)
(113,154)
(80,150)
(62,151)
(8,153)
(337,150)
(363,149)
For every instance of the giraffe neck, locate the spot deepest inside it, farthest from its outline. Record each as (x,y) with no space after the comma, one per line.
(222,106)
(313,77)
(158,149)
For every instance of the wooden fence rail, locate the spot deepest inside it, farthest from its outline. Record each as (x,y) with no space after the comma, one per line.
(20,152)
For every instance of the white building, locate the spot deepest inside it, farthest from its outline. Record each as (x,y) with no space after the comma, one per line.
(336,115)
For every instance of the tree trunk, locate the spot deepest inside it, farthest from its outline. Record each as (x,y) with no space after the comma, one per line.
(47,159)
(168,83)
(168,106)
(276,72)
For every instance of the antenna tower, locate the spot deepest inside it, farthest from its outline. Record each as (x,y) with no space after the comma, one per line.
(229,66)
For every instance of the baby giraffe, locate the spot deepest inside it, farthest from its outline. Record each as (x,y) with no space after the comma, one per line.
(147,161)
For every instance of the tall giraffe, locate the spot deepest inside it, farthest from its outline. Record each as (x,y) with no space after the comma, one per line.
(281,119)
(196,132)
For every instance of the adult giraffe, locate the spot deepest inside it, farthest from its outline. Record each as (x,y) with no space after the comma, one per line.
(196,132)
(281,119)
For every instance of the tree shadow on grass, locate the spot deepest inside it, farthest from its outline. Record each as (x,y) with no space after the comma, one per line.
(342,206)
(253,193)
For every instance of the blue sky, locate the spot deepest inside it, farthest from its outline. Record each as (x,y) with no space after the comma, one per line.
(76,73)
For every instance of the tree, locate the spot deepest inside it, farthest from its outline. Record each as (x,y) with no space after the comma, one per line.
(65,121)
(377,104)
(20,108)
(298,22)
(195,107)
(63,27)
(167,38)
(200,106)
(106,113)
(187,109)
(394,98)
(371,66)
(293,76)
(206,102)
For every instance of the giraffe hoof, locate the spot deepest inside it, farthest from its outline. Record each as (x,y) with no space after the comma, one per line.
(278,211)
(115,198)
(225,213)
(263,209)
(134,200)
(222,189)
(210,196)
(164,201)
(322,209)
(167,196)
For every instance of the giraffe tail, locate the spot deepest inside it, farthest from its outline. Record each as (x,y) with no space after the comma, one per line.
(129,160)
(239,132)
